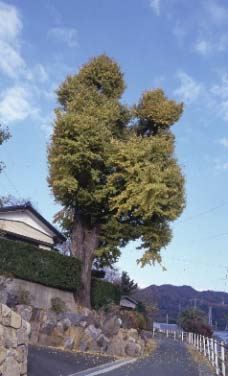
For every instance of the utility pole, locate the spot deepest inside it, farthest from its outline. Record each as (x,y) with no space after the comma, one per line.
(195,303)
(226,328)
(179,309)
(210,316)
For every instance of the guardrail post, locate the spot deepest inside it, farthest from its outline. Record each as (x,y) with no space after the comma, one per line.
(212,352)
(223,359)
(208,349)
(204,346)
(211,348)
(216,357)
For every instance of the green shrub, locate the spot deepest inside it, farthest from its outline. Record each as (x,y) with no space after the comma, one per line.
(32,264)
(58,305)
(103,293)
(195,321)
(23,296)
(133,319)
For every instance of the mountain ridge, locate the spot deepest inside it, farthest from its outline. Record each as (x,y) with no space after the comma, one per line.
(172,300)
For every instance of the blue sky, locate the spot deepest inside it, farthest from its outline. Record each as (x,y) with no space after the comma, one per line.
(178,45)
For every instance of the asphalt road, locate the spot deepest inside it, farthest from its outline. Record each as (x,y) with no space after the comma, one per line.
(170,359)
(51,362)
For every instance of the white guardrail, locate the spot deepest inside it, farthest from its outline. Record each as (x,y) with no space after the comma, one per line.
(211,348)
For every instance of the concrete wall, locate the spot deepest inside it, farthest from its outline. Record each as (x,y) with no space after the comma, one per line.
(14,333)
(40,296)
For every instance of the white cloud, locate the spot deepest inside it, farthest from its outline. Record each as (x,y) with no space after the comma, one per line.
(20,101)
(224,141)
(221,89)
(15,105)
(212,97)
(189,89)
(223,109)
(31,86)
(220,93)
(222,166)
(46,124)
(180,33)
(11,62)
(53,11)
(225,166)
(217,12)
(223,43)
(38,74)
(203,47)
(64,35)
(208,46)
(10,22)
(212,28)
(155,5)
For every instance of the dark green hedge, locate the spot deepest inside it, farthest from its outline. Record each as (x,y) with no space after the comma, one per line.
(103,292)
(35,265)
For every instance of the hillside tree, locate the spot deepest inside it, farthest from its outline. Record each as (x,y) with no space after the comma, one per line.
(194,321)
(4,136)
(127,285)
(113,169)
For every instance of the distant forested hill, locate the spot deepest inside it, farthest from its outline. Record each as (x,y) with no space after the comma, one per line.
(172,300)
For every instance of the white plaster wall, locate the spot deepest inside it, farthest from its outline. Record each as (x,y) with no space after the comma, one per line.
(23,229)
(26,217)
(127,303)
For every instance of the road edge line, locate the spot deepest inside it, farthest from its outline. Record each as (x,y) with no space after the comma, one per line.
(104,368)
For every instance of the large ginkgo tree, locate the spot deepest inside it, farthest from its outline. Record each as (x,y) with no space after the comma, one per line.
(113,169)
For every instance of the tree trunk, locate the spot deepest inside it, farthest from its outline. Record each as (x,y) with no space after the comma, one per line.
(84,242)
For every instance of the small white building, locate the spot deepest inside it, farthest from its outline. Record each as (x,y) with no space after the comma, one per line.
(161,326)
(128,302)
(24,223)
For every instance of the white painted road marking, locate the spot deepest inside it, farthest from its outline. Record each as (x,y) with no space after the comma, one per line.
(105,368)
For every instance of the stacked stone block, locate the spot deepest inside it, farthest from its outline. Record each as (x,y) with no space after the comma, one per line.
(14,337)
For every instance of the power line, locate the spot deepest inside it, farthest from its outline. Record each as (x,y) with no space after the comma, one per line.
(189,262)
(214,236)
(204,212)
(11,183)
(3,186)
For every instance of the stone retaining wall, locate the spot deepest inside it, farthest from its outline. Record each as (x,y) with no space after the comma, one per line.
(14,333)
(85,330)
(39,296)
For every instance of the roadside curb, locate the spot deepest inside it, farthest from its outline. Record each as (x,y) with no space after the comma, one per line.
(99,370)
